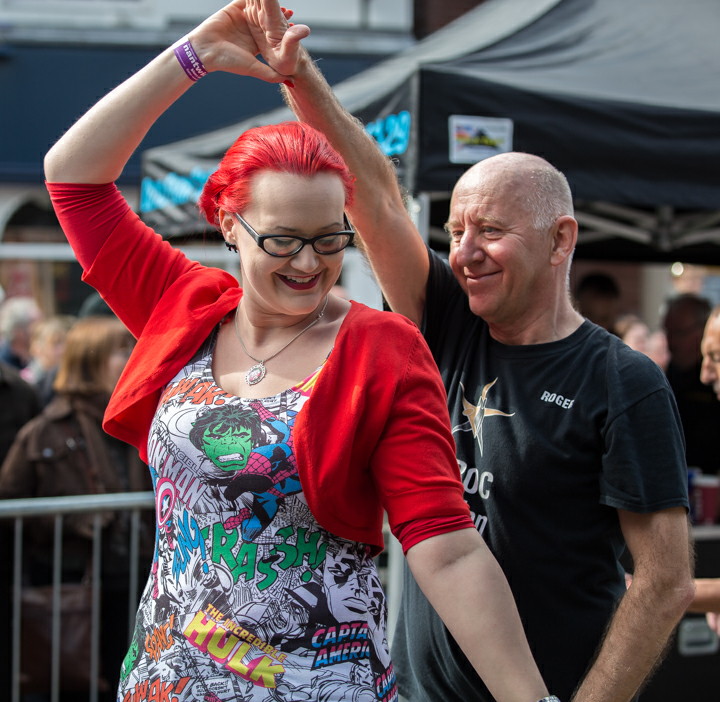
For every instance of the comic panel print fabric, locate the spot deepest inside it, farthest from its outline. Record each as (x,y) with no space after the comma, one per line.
(248,599)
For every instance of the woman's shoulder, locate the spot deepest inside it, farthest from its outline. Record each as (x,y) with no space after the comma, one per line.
(385,341)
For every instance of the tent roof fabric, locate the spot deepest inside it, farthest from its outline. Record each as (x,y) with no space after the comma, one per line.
(651,52)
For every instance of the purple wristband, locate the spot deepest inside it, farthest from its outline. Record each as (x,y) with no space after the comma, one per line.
(188,59)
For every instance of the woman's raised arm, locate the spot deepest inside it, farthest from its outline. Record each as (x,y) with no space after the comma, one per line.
(97,147)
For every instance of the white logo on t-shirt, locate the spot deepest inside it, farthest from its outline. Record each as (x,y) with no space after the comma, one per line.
(557,399)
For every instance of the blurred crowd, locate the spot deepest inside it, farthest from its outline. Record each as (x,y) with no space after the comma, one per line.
(56,377)
(675,345)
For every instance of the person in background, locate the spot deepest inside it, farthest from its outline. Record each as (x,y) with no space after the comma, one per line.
(279,420)
(17,317)
(569,442)
(657,349)
(597,297)
(19,403)
(707,590)
(64,451)
(47,341)
(684,321)
(710,348)
(637,335)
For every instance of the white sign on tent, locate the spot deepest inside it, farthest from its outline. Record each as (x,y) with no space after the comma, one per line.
(474,138)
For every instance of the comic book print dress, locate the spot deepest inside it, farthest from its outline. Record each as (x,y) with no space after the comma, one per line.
(248,598)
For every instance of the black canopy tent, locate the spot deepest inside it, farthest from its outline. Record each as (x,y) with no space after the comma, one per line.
(622,97)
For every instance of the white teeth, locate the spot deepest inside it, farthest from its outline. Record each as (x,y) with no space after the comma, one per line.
(231,457)
(300,280)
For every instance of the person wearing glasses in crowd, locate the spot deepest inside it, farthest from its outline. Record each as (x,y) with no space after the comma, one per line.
(278,420)
(707,590)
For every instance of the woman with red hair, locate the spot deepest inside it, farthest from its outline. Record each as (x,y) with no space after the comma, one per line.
(279,421)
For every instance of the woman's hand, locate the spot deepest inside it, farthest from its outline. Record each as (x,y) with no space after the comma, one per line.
(97,147)
(232,39)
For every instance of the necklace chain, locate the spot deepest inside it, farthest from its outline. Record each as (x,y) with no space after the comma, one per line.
(258,371)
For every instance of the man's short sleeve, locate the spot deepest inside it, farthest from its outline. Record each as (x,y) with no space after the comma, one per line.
(644,461)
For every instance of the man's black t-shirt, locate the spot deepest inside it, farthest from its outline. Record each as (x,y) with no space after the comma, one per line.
(551,440)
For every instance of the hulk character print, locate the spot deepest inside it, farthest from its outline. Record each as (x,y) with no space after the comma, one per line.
(265,475)
(226,435)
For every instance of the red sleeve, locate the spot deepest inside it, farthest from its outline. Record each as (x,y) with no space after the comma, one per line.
(127,262)
(411,533)
(87,214)
(414,464)
(391,447)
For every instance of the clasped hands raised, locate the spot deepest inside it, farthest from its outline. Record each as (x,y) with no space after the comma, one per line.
(234,37)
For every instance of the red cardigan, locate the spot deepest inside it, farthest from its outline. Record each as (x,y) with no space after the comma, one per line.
(374,433)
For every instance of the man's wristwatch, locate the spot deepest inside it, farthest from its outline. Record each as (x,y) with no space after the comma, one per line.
(551,698)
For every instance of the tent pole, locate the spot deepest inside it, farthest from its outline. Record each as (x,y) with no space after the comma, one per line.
(419,209)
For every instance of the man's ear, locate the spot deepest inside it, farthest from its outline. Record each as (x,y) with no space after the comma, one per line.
(564,239)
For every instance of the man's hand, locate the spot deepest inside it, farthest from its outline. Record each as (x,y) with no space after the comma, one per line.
(277,40)
(232,39)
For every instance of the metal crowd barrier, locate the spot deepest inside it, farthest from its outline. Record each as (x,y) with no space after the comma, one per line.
(58,507)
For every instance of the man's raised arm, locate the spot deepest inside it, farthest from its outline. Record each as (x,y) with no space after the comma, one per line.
(394,247)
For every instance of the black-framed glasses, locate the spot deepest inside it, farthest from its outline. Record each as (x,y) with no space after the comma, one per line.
(282,245)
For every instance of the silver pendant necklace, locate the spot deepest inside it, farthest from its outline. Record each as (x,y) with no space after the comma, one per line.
(258,371)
